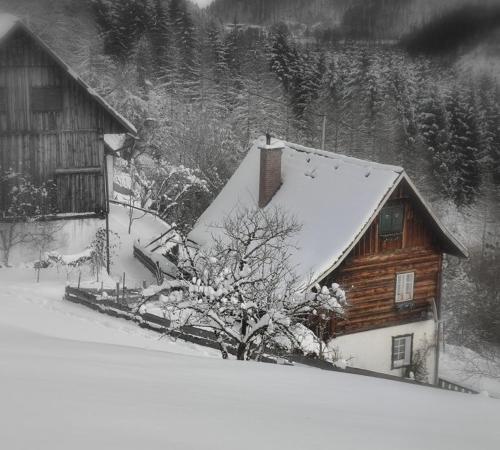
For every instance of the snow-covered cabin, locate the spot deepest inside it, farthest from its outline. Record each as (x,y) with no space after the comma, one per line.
(52,124)
(365,226)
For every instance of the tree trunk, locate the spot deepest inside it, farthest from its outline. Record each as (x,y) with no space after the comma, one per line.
(242,349)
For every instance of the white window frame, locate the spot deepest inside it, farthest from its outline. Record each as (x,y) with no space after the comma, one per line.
(405,286)
(401,351)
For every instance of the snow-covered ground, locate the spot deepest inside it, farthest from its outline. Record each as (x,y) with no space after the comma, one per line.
(73,379)
(465,367)
(146,227)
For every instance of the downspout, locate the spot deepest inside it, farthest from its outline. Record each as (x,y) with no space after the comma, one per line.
(437,320)
(106,193)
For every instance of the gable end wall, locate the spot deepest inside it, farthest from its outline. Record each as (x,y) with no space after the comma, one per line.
(368,274)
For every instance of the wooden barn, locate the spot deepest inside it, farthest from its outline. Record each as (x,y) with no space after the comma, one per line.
(364,226)
(52,124)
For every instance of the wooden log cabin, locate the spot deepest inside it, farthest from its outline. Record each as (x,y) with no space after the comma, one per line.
(52,124)
(364,226)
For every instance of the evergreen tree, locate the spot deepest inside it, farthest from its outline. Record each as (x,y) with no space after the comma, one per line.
(464,147)
(159,37)
(121,24)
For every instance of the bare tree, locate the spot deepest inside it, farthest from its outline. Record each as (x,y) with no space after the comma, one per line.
(25,209)
(243,286)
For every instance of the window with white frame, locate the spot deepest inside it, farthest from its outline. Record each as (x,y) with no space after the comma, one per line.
(404,286)
(402,350)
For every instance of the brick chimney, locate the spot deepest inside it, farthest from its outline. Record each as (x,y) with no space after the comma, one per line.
(270,170)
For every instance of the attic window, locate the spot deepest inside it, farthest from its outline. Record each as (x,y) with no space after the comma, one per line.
(3,100)
(391,220)
(46,99)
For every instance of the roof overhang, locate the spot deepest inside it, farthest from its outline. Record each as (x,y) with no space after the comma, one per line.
(450,244)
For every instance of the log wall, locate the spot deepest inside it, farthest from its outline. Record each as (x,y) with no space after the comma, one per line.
(368,274)
(67,135)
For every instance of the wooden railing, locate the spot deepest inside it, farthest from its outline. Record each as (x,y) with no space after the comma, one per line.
(450,386)
(149,264)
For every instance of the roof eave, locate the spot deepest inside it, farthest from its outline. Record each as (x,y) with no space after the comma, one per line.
(459,249)
(365,228)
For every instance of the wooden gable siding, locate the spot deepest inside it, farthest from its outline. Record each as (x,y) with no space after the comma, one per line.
(39,143)
(368,274)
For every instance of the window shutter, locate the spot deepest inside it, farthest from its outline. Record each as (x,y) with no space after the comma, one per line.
(408,292)
(407,358)
(399,283)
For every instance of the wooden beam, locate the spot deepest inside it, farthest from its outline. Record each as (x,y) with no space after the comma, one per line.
(76,170)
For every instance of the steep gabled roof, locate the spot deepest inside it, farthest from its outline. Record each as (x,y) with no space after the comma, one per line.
(10,23)
(334,198)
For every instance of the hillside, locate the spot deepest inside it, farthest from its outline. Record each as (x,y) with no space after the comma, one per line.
(353,18)
(71,378)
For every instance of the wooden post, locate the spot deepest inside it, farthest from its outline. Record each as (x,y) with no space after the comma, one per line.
(38,268)
(123,290)
(323,136)
(79,278)
(117,292)
(158,273)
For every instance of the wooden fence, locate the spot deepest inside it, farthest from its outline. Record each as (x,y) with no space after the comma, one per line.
(127,307)
(450,386)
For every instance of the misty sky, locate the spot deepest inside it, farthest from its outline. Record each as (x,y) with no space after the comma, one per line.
(202,2)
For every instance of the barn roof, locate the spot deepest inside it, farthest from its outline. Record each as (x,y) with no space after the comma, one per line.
(9,23)
(333,197)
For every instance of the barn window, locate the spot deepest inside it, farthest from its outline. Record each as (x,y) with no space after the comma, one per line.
(46,99)
(402,347)
(404,287)
(391,220)
(3,100)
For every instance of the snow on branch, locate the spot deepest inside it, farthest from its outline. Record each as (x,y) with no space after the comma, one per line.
(243,287)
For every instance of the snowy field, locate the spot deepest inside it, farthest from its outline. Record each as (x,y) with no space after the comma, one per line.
(73,379)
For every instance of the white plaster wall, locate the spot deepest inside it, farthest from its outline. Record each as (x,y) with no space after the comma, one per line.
(372,350)
(70,237)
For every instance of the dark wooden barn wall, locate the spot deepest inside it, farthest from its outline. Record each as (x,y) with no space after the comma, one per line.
(39,143)
(369,272)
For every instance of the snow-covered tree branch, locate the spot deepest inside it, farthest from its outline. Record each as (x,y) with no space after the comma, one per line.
(243,286)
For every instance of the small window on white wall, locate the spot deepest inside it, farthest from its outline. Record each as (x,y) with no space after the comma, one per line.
(401,351)
(404,286)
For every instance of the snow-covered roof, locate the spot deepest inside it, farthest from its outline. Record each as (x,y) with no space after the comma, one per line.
(333,197)
(115,141)
(8,23)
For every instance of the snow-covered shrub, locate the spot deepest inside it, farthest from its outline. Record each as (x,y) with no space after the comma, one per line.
(24,202)
(99,252)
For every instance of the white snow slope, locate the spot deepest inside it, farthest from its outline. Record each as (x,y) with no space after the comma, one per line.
(73,379)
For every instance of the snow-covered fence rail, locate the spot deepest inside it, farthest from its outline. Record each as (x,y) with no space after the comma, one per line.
(320,364)
(450,386)
(126,307)
(148,263)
